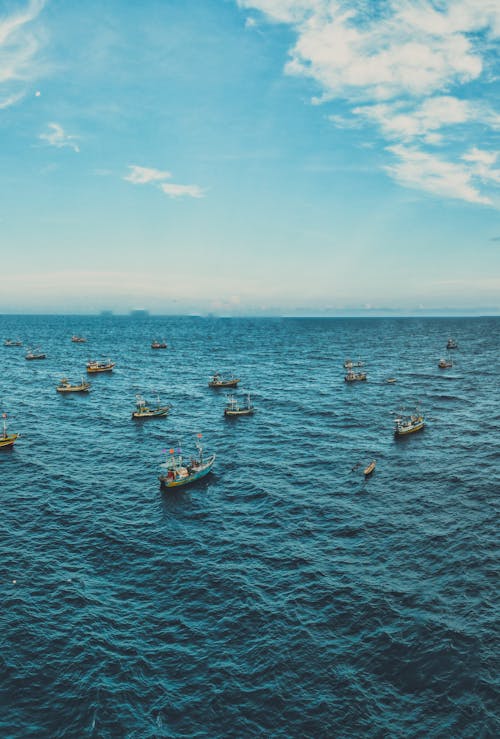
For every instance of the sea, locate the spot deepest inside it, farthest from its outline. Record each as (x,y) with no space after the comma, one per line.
(284,595)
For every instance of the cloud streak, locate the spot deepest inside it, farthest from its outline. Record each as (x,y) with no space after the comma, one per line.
(149,176)
(20,42)
(56,136)
(403,69)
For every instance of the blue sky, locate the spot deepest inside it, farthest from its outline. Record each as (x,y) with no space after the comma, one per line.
(250,156)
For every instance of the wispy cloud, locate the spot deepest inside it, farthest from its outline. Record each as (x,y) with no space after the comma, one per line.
(145,175)
(395,68)
(56,136)
(20,42)
(148,175)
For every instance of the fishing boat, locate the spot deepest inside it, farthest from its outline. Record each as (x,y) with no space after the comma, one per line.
(233,407)
(219,381)
(178,473)
(158,344)
(451,344)
(103,366)
(12,342)
(349,364)
(35,354)
(445,363)
(6,439)
(391,380)
(368,470)
(355,376)
(78,339)
(405,425)
(65,386)
(144,411)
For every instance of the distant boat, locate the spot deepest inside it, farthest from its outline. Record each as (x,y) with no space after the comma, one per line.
(445,363)
(349,364)
(158,344)
(178,473)
(144,411)
(390,380)
(355,376)
(6,440)
(405,425)
(78,339)
(12,342)
(35,354)
(233,407)
(103,366)
(451,344)
(368,470)
(65,386)
(219,381)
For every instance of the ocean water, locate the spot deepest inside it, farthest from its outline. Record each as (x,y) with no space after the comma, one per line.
(282,596)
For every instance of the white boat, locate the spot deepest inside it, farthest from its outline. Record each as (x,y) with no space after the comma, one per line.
(234,408)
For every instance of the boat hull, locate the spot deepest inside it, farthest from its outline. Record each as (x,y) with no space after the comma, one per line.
(241,412)
(94,370)
(158,413)
(411,430)
(74,389)
(189,479)
(226,383)
(8,440)
(369,470)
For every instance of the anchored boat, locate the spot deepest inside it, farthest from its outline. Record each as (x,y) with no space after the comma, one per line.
(12,342)
(178,473)
(445,363)
(355,376)
(103,366)
(158,344)
(144,411)
(35,354)
(368,470)
(233,407)
(219,381)
(349,364)
(405,425)
(65,386)
(451,344)
(6,440)
(78,339)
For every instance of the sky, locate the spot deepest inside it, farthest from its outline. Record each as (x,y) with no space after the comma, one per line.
(250,157)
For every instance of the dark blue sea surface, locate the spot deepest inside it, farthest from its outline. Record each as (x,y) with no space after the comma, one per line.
(282,596)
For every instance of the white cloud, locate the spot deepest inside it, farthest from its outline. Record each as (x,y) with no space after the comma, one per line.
(145,175)
(423,171)
(181,191)
(402,65)
(20,41)
(56,136)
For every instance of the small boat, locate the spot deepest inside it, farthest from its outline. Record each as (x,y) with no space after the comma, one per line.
(65,386)
(349,364)
(104,366)
(368,470)
(355,376)
(405,425)
(445,363)
(144,411)
(233,407)
(219,381)
(391,380)
(78,339)
(12,342)
(7,440)
(35,354)
(158,344)
(451,344)
(178,473)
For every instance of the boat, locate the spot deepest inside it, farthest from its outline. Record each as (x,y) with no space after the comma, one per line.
(445,363)
(103,366)
(158,344)
(12,342)
(349,364)
(78,339)
(233,407)
(391,380)
(6,440)
(451,344)
(355,376)
(405,425)
(178,473)
(219,381)
(65,386)
(368,470)
(35,354)
(144,411)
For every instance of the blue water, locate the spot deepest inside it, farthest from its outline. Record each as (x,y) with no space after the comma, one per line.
(284,595)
